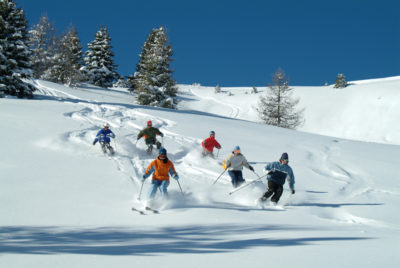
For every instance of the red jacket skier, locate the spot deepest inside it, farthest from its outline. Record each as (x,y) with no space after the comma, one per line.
(209,144)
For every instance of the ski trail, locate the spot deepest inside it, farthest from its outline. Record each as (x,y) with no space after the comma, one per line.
(234,111)
(349,183)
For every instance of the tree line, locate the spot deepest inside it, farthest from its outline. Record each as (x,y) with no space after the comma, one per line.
(40,53)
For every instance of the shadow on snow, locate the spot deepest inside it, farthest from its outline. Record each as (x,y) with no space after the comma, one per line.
(196,239)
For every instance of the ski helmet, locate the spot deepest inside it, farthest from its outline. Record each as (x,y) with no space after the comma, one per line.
(106,125)
(149,124)
(162,151)
(285,157)
(237,148)
(212,132)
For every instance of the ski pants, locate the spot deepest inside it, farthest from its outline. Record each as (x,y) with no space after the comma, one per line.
(237,177)
(275,190)
(153,142)
(155,184)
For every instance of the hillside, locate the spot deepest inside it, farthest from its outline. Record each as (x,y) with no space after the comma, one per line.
(65,204)
(365,110)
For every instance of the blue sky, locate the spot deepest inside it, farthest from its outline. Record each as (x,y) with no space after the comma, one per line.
(242,43)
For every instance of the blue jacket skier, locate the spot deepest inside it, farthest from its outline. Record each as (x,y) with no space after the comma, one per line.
(103,137)
(278,173)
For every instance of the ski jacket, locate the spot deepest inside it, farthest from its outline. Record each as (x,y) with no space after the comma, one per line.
(209,144)
(279,173)
(161,169)
(235,162)
(149,134)
(104,135)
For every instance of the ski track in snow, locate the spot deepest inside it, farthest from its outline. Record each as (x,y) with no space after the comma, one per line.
(131,159)
(234,111)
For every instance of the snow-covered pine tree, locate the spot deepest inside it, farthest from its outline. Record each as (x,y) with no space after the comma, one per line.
(15,54)
(340,81)
(41,41)
(67,60)
(277,108)
(153,77)
(122,83)
(100,67)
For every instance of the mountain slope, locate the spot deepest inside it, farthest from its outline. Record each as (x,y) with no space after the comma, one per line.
(65,204)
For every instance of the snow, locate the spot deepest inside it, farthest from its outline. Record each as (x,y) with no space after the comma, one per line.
(65,204)
(365,110)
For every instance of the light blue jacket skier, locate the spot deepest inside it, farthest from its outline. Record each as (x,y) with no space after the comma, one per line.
(278,172)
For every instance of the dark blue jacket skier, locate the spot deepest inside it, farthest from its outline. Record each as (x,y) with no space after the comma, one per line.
(104,135)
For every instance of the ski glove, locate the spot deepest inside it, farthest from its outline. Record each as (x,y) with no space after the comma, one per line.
(94,143)
(144,177)
(266,171)
(293,191)
(251,168)
(175,176)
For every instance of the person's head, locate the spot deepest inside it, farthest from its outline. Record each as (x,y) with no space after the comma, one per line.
(106,126)
(212,133)
(149,123)
(236,150)
(284,158)
(162,154)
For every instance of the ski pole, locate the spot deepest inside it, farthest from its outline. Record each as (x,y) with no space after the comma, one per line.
(115,142)
(244,186)
(180,186)
(141,188)
(217,153)
(219,176)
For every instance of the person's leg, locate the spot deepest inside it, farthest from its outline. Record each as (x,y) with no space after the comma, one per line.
(153,188)
(103,146)
(163,187)
(269,192)
(232,174)
(240,179)
(278,193)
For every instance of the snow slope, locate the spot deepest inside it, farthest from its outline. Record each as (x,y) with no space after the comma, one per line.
(366,110)
(65,204)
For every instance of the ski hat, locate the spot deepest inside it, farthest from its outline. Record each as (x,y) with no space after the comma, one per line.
(285,157)
(162,151)
(149,124)
(212,132)
(237,148)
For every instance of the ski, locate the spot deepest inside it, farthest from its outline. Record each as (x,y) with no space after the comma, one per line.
(153,210)
(138,210)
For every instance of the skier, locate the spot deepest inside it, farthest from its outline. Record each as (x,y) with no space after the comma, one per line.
(161,168)
(277,173)
(209,144)
(149,133)
(103,137)
(234,163)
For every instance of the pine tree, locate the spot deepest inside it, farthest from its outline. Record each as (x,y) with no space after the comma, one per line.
(277,108)
(67,60)
(100,67)
(340,81)
(15,55)
(153,79)
(41,41)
